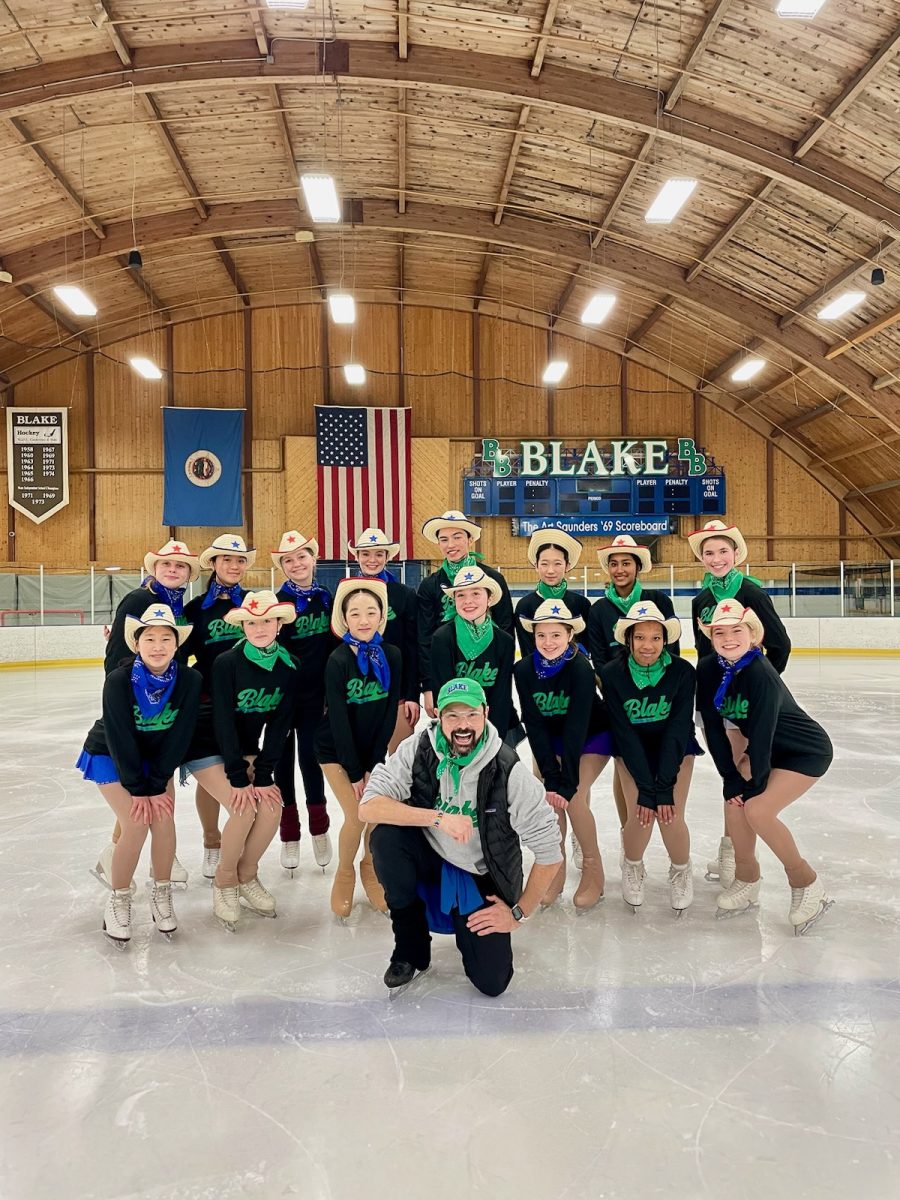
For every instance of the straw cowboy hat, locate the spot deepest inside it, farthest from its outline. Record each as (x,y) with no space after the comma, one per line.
(376,539)
(475,577)
(261,606)
(451,519)
(375,587)
(646,610)
(714,529)
(226,543)
(625,544)
(159,615)
(174,551)
(730,612)
(554,537)
(552,610)
(290,543)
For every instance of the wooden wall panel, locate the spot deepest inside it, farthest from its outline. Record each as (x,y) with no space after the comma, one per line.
(436,466)
(300,498)
(586,405)
(123,540)
(268,499)
(437,353)
(287,370)
(865,549)
(127,419)
(743,455)
(797,496)
(512,359)
(63,385)
(656,406)
(209,362)
(374,341)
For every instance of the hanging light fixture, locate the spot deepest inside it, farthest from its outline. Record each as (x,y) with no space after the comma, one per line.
(135,262)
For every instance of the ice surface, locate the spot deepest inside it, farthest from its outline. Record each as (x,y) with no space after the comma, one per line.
(633,1056)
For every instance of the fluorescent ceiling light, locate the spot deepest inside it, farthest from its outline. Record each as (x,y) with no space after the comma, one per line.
(75,300)
(799,8)
(299,4)
(554,371)
(343,308)
(354,373)
(843,304)
(321,197)
(598,308)
(748,368)
(146,367)
(672,195)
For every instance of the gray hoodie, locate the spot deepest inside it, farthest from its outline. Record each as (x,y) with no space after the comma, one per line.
(529,813)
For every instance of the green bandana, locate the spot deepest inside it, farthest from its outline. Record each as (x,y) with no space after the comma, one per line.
(473,639)
(447,761)
(451,570)
(645,677)
(549,591)
(728,586)
(624,602)
(267,656)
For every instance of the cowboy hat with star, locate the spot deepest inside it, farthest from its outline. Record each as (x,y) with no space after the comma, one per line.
(470,577)
(159,615)
(731,612)
(714,529)
(226,543)
(554,537)
(624,544)
(172,551)
(549,611)
(375,539)
(451,519)
(375,587)
(646,610)
(261,606)
(290,543)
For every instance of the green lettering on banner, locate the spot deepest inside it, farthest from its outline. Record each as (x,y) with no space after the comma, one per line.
(221,631)
(552,704)
(689,453)
(485,674)
(158,722)
(643,712)
(491,452)
(534,460)
(258,700)
(364,691)
(735,708)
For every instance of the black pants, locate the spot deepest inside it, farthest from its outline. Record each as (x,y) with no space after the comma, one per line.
(403,856)
(302,736)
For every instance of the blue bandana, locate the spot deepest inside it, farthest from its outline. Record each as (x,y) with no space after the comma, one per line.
(384,575)
(303,597)
(731,669)
(174,597)
(546,668)
(152,691)
(371,654)
(218,591)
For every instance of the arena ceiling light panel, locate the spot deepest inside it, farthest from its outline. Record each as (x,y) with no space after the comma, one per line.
(342,307)
(844,303)
(321,198)
(670,199)
(75,300)
(598,308)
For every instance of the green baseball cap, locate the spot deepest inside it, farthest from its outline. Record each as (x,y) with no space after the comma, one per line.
(461,691)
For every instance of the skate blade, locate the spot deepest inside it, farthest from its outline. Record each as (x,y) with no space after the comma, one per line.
(395,993)
(723,913)
(228,925)
(101,879)
(799,930)
(119,943)
(679,913)
(712,876)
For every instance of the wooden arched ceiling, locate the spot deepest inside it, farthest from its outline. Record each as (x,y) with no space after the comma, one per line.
(498,155)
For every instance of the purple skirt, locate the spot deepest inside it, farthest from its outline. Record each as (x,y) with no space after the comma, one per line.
(597,743)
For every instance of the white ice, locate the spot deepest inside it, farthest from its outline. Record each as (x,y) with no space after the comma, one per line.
(632,1056)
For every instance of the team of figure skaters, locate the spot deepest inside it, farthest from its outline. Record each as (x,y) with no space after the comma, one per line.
(237,687)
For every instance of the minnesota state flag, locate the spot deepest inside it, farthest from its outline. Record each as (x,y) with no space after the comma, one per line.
(202,459)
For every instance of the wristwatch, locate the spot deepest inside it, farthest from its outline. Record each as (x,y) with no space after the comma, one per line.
(517,913)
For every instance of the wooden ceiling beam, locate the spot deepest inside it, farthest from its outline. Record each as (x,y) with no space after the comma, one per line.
(543,37)
(103,19)
(868,331)
(633,340)
(864,447)
(718,132)
(50,310)
(56,177)
(316,264)
(704,37)
(860,81)
(787,377)
(838,280)
(233,274)
(137,278)
(619,198)
(564,297)
(728,364)
(883,485)
(721,241)
(482,277)
(518,138)
(175,155)
(255,12)
(813,414)
(403,29)
(887,380)
(401,151)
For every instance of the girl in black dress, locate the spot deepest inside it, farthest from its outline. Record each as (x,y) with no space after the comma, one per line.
(553,553)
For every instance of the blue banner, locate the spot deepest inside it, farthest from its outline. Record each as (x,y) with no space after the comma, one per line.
(595,526)
(202,458)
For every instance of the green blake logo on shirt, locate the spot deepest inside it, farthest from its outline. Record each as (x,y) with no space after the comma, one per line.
(642,712)
(467,810)
(735,708)
(364,691)
(221,631)
(308,624)
(258,700)
(486,675)
(158,722)
(552,704)
(706,614)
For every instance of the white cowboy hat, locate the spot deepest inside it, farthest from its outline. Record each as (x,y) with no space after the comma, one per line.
(552,610)
(646,610)
(554,537)
(451,519)
(731,612)
(226,543)
(625,544)
(470,577)
(346,587)
(290,543)
(157,614)
(175,551)
(376,539)
(719,529)
(261,606)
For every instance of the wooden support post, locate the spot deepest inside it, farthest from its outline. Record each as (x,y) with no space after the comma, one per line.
(170,384)
(10,511)
(248,422)
(842,531)
(623,397)
(770,500)
(476,374)
(90,452)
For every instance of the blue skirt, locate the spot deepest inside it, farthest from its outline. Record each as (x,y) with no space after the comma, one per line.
(97,768)
(597,743)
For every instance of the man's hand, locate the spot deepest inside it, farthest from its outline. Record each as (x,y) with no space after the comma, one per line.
(270,796)
(557,801)
(242,798)
(457,826)
(497,918)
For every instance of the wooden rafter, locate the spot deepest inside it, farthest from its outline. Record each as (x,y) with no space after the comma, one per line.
(868,331)
(619,198)
(564,297)
(633,340)
(704,37)
(233,274)
(57,177)
(728,364)
(544,37)
(864,447)
(518,138)
(104,20)
(721,241)
(482,276)
(788,377)
(836,281)
(876,63)
(49,309)
(887,380)
(316,263)
(812,414)
(883,485)
(403,29)
(401,151)
(259,30)
(175,156)
(138,279)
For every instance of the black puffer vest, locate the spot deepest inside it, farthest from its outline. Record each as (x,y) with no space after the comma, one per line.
(499,841)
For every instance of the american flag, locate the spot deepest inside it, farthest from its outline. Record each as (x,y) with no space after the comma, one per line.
(363,469)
